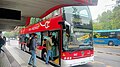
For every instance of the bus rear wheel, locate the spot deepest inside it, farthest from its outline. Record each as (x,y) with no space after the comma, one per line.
(110,43)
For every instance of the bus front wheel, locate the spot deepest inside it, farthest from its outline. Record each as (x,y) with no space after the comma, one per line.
(110,43)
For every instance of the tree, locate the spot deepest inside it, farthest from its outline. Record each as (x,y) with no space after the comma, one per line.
(97,26)
(108,20)
(105,17)
(12,34)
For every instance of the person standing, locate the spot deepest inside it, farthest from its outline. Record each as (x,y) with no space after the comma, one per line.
(29,41)
(2,42)
(21,39)
(25,42)
(4,38)
(49,45)
(33,45)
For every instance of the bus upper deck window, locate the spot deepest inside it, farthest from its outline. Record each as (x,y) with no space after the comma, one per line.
(56,12)
(83,13)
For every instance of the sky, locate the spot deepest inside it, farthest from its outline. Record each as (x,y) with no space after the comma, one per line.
(103,5)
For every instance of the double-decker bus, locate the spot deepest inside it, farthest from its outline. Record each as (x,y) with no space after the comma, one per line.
(107,37)
(71,28)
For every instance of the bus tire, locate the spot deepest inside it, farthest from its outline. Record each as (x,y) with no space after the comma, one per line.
(110,43)
(116,45)
(43,55)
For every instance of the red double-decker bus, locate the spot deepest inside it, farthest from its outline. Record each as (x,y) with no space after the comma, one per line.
(71,28)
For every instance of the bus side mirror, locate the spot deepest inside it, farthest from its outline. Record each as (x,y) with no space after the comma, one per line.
(67,29)
(66,26)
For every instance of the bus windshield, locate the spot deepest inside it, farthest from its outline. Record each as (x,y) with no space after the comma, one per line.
(77,40)
(80,35)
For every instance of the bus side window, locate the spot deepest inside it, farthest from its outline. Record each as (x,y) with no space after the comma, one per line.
(112,35)
(118,35)
(56,12)
(39,38)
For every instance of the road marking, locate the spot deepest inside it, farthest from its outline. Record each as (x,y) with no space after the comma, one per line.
(100,63)
(99,52)
(97,62)
(108,53)
(118,54)
(108,66)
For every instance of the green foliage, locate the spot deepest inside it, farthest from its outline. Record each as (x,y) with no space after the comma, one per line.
(97,26)
(34,20)
(108,20)
(12,34)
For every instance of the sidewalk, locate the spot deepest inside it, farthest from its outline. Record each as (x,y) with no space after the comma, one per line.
(4,62)
(22,57)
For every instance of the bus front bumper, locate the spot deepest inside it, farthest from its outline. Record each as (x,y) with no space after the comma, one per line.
(75,62)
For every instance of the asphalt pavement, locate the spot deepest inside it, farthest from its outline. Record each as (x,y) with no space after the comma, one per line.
(104,56)
(111,50)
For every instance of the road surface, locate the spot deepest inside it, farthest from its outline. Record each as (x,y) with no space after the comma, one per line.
(104,57)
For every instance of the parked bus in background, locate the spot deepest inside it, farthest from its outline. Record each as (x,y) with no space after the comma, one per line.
(71,28)
(107,37)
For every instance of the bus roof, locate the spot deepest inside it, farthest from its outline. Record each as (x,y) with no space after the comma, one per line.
(46,7)
(62,3)
(116,30)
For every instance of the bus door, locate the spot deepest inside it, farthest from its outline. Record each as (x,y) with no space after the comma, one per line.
(55,47)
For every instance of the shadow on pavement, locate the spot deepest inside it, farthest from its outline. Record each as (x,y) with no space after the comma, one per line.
(85,65)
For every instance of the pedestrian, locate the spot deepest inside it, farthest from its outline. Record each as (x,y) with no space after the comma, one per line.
(21,39)
(29,41)
(4,38)
(25,42)
(44,42)
(33,45)
(2,42)
(49,45)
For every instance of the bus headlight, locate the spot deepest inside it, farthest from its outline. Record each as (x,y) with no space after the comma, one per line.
(65,58)
(70,58)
